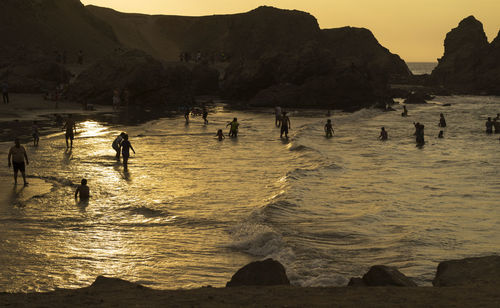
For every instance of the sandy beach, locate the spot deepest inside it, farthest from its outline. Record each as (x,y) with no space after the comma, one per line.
(120,293)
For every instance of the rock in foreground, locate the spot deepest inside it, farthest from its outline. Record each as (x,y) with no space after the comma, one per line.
(260,273)
(468,272)
(381,275)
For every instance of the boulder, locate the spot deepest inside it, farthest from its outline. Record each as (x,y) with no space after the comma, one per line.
(381,275)
(146,82)
(260,273)
(468,272)
(108,284)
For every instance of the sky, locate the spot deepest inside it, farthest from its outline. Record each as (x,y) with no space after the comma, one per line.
(413,29)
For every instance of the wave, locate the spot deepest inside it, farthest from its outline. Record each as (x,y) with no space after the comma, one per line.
(145,211)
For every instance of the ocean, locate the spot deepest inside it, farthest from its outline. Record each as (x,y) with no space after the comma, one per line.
(420,68)
(190,210)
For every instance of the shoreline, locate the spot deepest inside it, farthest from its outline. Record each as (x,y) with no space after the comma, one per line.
(112,292)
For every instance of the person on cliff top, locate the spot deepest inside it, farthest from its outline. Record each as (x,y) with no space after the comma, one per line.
(233,130)
(442,121)
(35,133)
(126,147)
(70,128)
(83,190)
(489,126)
(17,154)
(220,135)
(328,128)
(383,134)
(285,125)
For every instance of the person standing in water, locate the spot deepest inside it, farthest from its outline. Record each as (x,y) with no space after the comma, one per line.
(70,128)
(442,121)
(205,115)
(83,190)
(18,155)
(405,112)
(117,143)
(285,125)
(277,115)
(186,114)
(126,147)
(233,130)
(489,126)
(383,134)
(5,92)
(496,123)
(329,128)
(220,135)
(35,133)
(419,134)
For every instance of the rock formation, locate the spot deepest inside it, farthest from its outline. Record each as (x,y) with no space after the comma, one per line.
(260,273)
(470,65)
(468,272)
(381,275)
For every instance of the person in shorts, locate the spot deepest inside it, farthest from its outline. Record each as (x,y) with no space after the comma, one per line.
(17,157)
(70,127)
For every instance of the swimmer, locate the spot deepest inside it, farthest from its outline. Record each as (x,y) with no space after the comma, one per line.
(329,128)
(220,135)
(383,134)
(83,190)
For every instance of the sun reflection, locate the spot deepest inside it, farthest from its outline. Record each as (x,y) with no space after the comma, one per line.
(91,129)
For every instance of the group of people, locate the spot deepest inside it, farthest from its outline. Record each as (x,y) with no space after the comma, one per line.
(123,145)
(493,125)
(195,112)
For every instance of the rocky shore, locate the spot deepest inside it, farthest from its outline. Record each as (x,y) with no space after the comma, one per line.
(471,282)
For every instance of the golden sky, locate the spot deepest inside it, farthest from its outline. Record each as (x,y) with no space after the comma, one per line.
(414,29)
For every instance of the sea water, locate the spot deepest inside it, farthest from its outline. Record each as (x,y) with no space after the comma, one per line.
(190,210)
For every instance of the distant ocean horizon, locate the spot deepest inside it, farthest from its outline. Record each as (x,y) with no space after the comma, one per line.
(419,68)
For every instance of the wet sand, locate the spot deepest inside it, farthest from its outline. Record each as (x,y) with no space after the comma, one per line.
(119,293)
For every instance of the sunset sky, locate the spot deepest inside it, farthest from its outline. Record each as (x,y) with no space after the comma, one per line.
(413,29)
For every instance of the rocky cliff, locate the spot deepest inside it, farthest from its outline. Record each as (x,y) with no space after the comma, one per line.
(470,65)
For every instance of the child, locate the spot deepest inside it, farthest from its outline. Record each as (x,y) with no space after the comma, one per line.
(126,146)
(329,128)
(83,190)
(35,134)
(116,145)
(220,134)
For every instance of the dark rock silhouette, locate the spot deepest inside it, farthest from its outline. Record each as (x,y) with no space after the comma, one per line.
(470,65)
(381,275)
(260,273)
(147,81)
(418,97)
(468,272)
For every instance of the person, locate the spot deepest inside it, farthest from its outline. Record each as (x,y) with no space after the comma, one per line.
(70,127)
(116,100)
(205,115)
(496,123)
(233,130)
(126,147)
(441,134)
(17,154)
(328,113)
(489,126)
(220,135)
(285,125)
(419,133)
(277,113)
(5,92)
(405,112)
(186,114)
(442,121)
(80,57)
(83,190)
(117,143)
(35,134)
(383,134)
(329,128)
